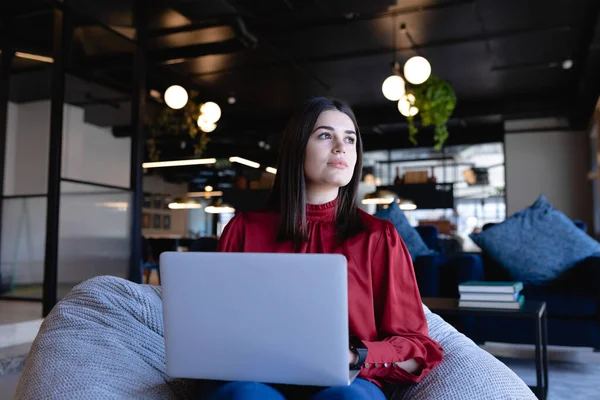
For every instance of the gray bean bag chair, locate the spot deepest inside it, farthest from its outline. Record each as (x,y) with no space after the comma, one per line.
(105,341)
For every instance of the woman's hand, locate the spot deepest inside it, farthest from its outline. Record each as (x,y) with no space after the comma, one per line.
(352,358)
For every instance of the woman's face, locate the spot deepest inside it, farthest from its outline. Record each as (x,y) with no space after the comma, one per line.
(331,151)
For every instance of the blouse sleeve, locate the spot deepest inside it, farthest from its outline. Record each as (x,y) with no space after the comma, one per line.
(232,238)
(401,323)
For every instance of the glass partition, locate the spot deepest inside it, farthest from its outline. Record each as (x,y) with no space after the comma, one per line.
(94,234)
(23,245)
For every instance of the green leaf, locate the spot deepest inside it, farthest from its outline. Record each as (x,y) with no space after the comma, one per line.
(177,122)
(436,101)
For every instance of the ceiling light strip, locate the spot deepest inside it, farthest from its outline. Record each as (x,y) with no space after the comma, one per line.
(34,57)
(243,161)
(219,209)
(184,206)
(205,194)
(179,163)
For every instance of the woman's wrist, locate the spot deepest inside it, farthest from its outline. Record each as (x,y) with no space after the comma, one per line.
(411,366)
(353,357)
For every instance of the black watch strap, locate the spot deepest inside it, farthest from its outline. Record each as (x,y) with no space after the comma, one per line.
(358,347)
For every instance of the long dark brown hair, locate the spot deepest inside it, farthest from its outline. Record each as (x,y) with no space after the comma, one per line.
(289,190)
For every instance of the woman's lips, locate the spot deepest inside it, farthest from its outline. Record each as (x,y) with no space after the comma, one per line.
(338,164)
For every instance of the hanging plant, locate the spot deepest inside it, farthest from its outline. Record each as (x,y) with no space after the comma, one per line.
(436,101)
(176,122)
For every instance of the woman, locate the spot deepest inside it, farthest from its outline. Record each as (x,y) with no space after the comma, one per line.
(313,210)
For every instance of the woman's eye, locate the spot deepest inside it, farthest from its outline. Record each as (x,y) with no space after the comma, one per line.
(350,140)
(324,135)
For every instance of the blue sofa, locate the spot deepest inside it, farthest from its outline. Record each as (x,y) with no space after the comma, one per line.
(573,301)
(438,275)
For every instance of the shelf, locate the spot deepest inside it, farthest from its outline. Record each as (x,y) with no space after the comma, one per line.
(425,195)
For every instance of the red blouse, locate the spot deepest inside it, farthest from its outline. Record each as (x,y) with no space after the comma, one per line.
(383,299)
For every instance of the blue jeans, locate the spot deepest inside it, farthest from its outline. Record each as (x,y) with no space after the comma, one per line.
(359,389)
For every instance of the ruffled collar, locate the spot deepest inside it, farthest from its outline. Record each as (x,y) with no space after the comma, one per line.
(325,211)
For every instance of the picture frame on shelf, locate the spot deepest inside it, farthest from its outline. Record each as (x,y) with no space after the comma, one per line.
(166,222)
(146,221)
(147,200)
(157,201)
(167,200)
(156,221)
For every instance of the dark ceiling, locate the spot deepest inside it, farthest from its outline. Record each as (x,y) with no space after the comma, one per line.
(503,58)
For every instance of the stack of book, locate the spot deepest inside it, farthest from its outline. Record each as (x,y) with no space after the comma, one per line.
(481,294)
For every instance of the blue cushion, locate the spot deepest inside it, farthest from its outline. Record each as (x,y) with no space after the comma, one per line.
(537,244)
(415,244)
(430,235)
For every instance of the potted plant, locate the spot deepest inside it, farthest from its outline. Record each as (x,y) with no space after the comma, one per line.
(176,122)
(436,101)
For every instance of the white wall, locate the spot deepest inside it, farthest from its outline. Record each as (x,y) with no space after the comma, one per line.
(553,163)
(92,153)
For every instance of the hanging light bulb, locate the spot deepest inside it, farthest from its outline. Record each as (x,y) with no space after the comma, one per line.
(176,97)
(406,107)
(204,125)
(393,87)
(417,69)
(211,111)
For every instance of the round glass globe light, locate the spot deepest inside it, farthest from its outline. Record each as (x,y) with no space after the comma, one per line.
(211,111)
(204,125)
(417,70)
(176,97)
(405,106)
(393,87)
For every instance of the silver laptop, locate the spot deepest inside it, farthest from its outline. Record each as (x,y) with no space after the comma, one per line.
(272,318)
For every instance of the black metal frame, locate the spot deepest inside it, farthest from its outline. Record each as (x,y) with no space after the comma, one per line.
(5,62)
(138,108)
(23,196)
(541,355)
(535,310)
(61,42)
(102,185)
(62,34)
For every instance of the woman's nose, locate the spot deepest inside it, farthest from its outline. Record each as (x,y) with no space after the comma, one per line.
(338,147)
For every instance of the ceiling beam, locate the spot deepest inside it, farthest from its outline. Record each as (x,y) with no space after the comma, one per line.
(459,135)
(283,55)
(272,27)
(388,50)
(509,108)
(438,43)
(192,27)
(18,11)
(246,38)
(124,61)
